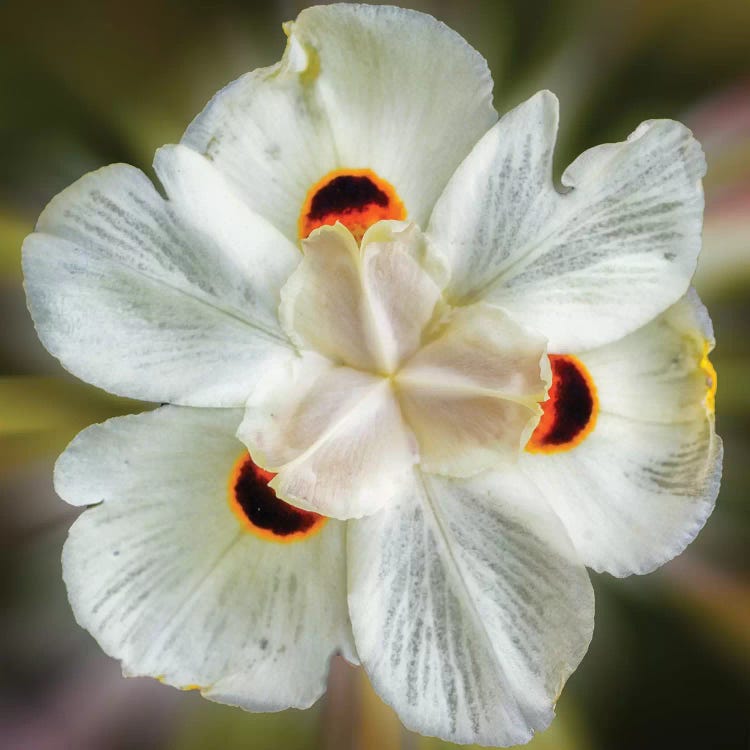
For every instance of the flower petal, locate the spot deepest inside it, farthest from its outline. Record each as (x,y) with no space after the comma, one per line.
(363,306)
(584,267)
(359,86)
(639,488)
(165,578)
(153,299)
(333,435)
(472,394)
(469,608)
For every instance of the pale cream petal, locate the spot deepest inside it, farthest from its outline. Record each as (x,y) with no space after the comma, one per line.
(322,306)
(335,438)
(365,307)
(472,395)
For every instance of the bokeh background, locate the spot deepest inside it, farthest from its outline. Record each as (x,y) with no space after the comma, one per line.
(84,83)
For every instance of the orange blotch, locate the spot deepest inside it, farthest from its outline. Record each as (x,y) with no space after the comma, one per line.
(357,198)
(570,411)
(261,512)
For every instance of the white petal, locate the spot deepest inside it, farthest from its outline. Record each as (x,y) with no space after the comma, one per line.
(469,608)
(641,485)
(584,267)
(154,299)
(336,440)
(472,395)
(260,257)
(164,577)
(359,86)
(364,307)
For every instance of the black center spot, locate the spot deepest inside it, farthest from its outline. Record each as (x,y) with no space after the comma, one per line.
(572,402)
(263,509)
(346,193)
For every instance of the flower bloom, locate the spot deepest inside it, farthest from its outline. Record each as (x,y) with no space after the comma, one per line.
(415,388)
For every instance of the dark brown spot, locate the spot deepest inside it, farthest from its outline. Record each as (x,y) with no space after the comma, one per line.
(262,510)
(345,194)
(358,198)
(570,410)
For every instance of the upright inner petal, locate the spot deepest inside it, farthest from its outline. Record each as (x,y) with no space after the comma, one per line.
(261,512)
(472,394)
(357,198)
(363,305)
(570,411)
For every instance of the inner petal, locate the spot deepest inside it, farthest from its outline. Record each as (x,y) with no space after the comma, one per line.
(363,305)
(570,411)
(261,512)
(358,198)
(471,395)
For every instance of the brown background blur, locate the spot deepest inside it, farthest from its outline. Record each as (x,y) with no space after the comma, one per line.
(87,83)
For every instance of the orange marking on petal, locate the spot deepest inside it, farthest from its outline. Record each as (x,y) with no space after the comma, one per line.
(357,198)
(261,512)
(570,411)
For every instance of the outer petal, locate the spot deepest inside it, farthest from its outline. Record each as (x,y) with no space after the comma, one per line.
(334,436)
(359,86)
(472,394)
(469,607)
(153,299)
(363,306)
(640,487)
(163,576)
(585,267)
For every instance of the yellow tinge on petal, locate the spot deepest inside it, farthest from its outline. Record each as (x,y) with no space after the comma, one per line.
(711,378)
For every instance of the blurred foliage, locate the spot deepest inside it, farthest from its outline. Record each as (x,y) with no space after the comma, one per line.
(85,83)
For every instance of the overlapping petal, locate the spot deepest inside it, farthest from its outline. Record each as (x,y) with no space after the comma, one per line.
(165,578)
(587,266)
(334,435)
(366,306)
(472,394)
(402,369)
(470,607)
(641,485)
(359,86)
(163,300)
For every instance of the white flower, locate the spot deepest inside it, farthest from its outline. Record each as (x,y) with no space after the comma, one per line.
(391,374)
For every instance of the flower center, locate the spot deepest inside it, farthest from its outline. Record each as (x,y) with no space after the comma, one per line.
(569,413)
(261,512)
(358,198)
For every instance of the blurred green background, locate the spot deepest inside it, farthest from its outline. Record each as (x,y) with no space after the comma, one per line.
(86,83)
